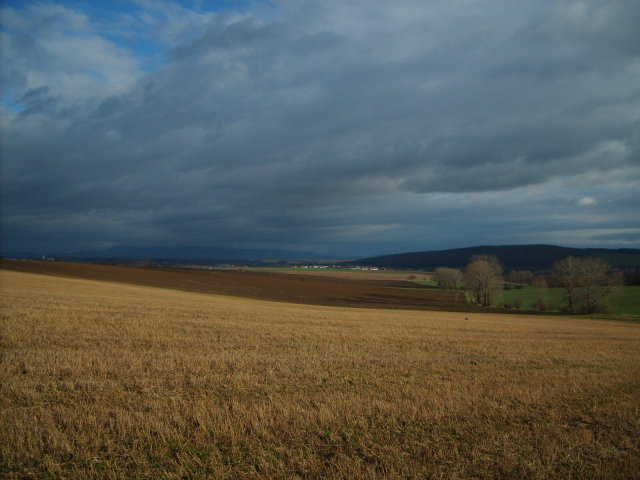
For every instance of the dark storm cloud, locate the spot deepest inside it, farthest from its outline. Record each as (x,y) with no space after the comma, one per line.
(328,125)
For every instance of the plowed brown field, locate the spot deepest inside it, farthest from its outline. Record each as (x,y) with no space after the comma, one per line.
(292,288)
(361,275)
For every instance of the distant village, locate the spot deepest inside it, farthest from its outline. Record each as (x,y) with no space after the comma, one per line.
(313,267)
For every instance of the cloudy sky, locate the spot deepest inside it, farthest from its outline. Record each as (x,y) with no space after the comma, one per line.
(342,127)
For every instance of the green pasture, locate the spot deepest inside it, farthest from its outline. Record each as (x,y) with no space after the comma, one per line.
(624,301)
(527,298)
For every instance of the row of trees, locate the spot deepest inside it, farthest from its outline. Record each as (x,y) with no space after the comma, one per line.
(586,282)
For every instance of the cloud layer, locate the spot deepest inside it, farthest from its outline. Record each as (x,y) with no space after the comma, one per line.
(345,127)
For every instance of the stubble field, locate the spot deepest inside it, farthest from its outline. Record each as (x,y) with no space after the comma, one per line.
(107,380)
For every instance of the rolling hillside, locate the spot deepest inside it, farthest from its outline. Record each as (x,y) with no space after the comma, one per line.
(533,257)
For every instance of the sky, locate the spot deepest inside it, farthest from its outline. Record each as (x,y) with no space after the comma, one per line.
(351,128)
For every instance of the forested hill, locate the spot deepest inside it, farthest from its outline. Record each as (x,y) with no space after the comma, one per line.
(531,257)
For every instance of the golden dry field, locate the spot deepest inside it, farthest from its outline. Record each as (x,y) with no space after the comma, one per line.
(112,381)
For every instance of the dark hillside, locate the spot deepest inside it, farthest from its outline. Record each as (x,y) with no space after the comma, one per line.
(531,257)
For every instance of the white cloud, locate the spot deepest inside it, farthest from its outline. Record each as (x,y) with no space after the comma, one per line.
(587,201)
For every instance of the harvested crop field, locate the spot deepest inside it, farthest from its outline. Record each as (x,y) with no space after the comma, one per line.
(291,288)
(106,380)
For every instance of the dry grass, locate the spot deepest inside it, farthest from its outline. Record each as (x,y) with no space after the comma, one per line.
(105,380)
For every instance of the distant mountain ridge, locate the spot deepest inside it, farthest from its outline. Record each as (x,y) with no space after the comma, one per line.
(530,257)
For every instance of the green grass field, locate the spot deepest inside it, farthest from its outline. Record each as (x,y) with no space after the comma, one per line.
(625,301)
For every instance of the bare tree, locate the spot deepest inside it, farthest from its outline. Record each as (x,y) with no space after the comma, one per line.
(482,277)
(587,282)
(597,280)
(448,278)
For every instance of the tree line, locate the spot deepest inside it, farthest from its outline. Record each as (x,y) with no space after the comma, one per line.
(586,282)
